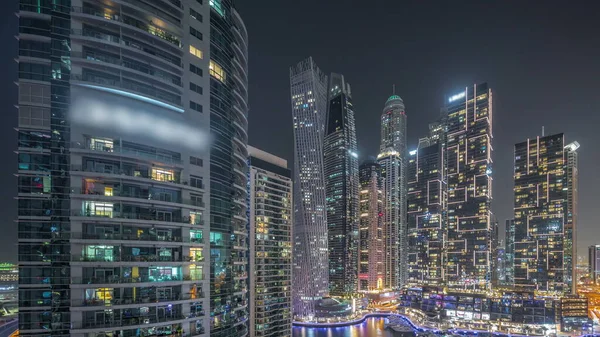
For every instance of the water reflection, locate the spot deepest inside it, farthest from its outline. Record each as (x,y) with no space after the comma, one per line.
(370,327)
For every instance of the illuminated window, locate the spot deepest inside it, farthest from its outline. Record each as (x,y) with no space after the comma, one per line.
(196,255)
(101,145)
(216,71)
(217,6)
(196,218)
(162,175)
(108,191)
(196,52)
(98,209)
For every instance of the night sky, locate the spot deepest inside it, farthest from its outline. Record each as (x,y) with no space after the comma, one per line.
(542,61)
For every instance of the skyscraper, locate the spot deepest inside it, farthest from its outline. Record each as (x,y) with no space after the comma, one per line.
(469,178)
(340,161)
(594,263)
(509,253)
(545,188)
(371,236)
(427,209)
(309,104)
(270,245)
(115,214)
(392,158)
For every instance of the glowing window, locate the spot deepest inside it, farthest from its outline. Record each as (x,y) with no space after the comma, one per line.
(108,191)
(196,52)
(163,175)
(216,71)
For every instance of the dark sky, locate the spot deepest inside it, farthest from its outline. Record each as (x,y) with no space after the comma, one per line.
(542,61)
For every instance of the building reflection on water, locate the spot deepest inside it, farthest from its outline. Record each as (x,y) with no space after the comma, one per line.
(371,327)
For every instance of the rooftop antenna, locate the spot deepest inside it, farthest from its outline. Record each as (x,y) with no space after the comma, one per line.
(543,131)
(393,89)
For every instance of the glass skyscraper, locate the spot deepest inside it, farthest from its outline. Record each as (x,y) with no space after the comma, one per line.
(427,223)
(393,158)
(340,162)
(469,179)
(309,104)
(545,187)
(270,245)
(509,252)
(371,236)
(128,215)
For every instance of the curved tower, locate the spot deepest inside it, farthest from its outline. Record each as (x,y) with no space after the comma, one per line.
(340,161)
(392,158)
(132,168)
(309,101)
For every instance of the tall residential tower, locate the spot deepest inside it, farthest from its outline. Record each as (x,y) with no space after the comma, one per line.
(371,235)
(427,209)
(340,161)
(393,160)
(270,245)
(469,179)
(309,104)
(545,187)
(132,170)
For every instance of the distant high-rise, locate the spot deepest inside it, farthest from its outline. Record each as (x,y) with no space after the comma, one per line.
(393,160)
(270,245)
(371,232)
(594,263)
(309,101)
(469,177)
(509,253)
(545,188)
(427,209)
(340,161)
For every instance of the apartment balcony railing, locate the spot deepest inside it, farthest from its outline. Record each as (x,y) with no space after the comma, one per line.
(128,64)
(115,39)
(144,89)
(140,195)
(132,237)
(127,151)
(131,258)
(134,216)
(131,173)
(115,279)
(140,320)
(132,300)
(150,29)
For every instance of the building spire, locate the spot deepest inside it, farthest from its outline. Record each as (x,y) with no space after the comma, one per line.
(393,89)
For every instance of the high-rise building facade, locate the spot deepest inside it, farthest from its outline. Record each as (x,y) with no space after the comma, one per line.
(469,178)
(544,226)
(393,158)
(509,252)
(270,245)
(309,104)
(117,104)
(340,162)
(594,263)
(371,232)
(427,210)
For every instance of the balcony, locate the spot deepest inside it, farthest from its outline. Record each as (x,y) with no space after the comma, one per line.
(139,320)
(142,195)
(117,150)
(123,301)
(130,258)
(152,30)
(124,83)
(132,237)
(141,175)
(135,66)
(148,51)
(115,279)
(134,216)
